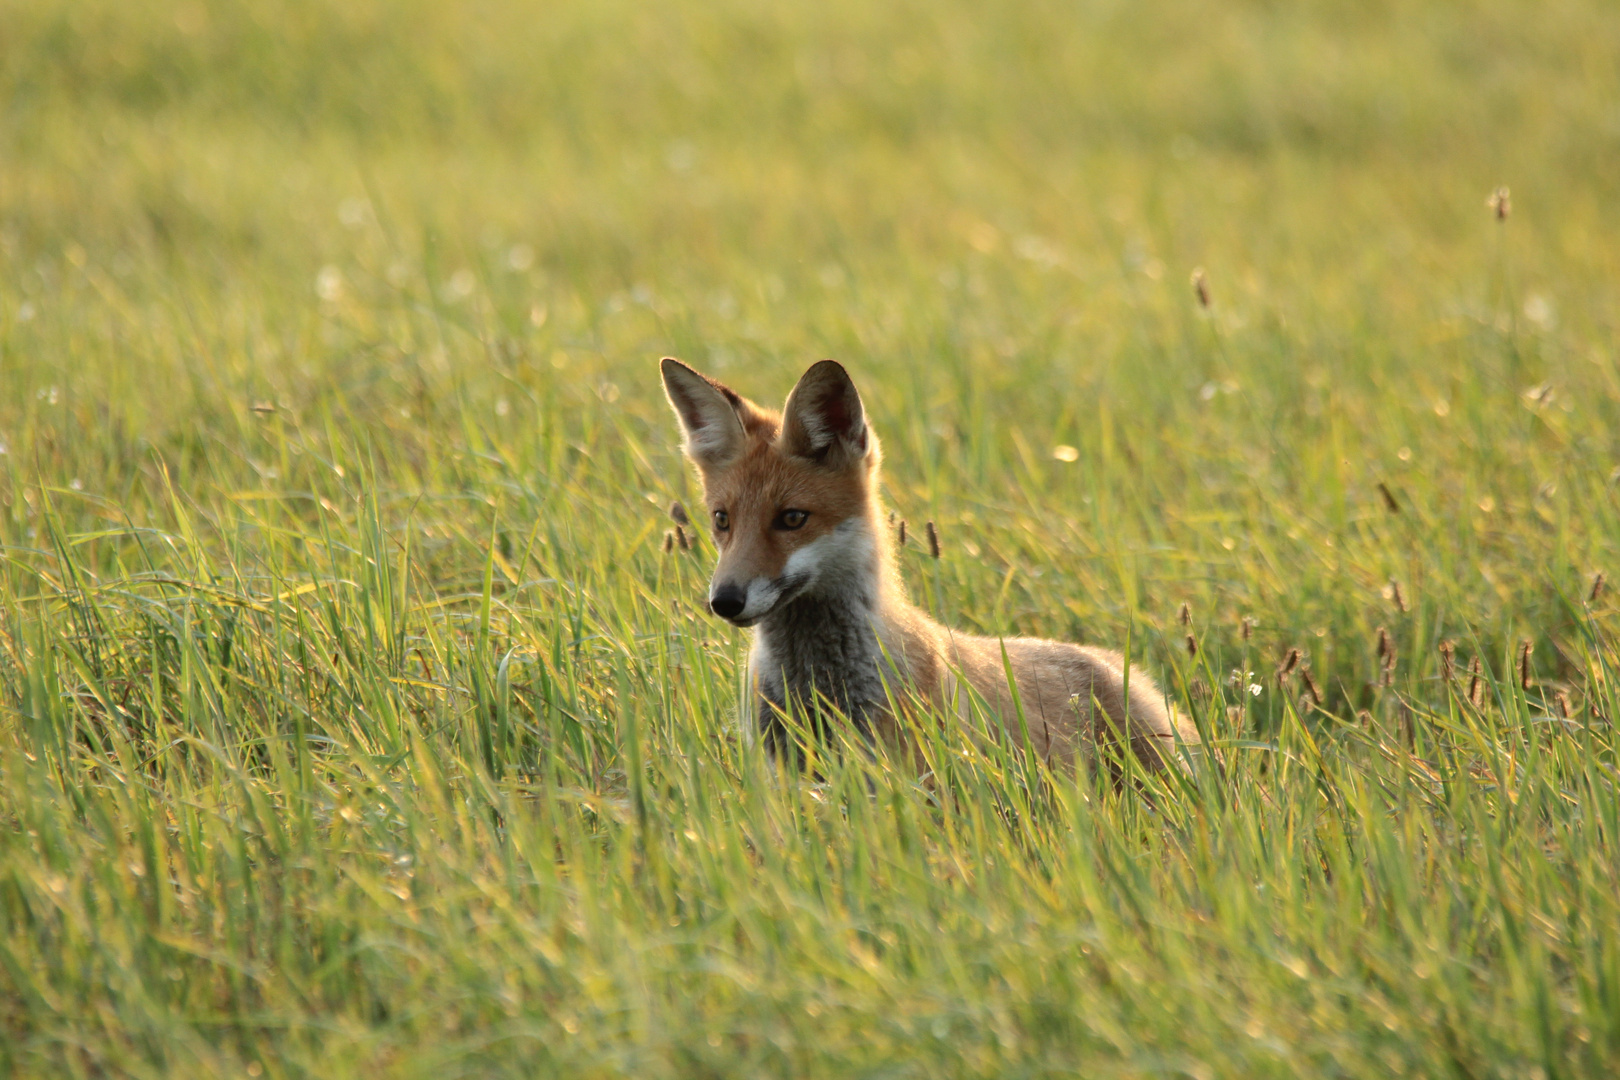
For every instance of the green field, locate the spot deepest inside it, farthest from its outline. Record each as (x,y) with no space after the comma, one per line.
(353,721)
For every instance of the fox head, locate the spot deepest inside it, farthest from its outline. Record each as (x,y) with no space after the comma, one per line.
(791,497)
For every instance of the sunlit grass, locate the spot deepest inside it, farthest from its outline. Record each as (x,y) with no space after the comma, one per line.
(356,723)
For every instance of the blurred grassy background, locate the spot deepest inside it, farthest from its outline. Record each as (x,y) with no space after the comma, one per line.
(993,219)
(333,460)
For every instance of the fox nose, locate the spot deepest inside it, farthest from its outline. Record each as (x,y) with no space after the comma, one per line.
(728,601)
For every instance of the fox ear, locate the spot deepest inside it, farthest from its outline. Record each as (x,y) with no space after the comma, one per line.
(711,433)
(823,419)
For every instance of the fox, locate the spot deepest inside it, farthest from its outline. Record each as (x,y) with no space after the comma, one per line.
(806,563)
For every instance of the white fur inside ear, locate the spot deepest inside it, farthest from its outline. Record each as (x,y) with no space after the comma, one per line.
(825,410)
(710,429)
(709,438)
(821,434)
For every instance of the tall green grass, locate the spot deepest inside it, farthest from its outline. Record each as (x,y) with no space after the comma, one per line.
(355,723)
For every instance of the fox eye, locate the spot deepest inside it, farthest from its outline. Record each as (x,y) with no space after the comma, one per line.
(792,519)
(722,520)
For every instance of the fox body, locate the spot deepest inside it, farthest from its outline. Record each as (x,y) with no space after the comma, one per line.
(805,560)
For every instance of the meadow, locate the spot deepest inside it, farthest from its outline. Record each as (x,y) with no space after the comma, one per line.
(358,718)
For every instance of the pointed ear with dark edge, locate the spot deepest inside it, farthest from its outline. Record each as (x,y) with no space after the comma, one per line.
(823,419)
(711,433)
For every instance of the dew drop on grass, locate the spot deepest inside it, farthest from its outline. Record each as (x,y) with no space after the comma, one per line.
(1539,310)
(329,284)
(459,287)
(352,212)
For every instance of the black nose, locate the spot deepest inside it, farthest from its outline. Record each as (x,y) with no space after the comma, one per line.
(728,601)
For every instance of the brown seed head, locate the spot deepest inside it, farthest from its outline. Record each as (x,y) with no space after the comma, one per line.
(1597,589)
(1383,645)
(1447,652)
(1310,686)
(1476,695)
(682,539)
(1565,709)
(1186,615)
(1500,203)
(1525,648)
(677,513)
(1290,662)
(933,539)
(1192,645)
(1389,498)
(1397,596)
(1200,287)
(902,532)
(669,541)
(1246,628)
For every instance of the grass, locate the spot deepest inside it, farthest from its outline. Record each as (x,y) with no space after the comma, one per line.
(354,722)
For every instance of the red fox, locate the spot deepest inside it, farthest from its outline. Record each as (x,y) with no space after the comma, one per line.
(806,561)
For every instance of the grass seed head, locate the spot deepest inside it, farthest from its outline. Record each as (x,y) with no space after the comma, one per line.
(1597,588)
(1397,595)
(1448,652)
(1565,709)
(1525,648)
(1200,286)
(1311,687)
(1476,694)
(669,541)
(1186,615)
(682,539)
(902,532)
(677,513)
(1389,498)
(1192,645)
(1290,662)
(1246,628)
(933,539)
(1501,203)
(1386,656)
